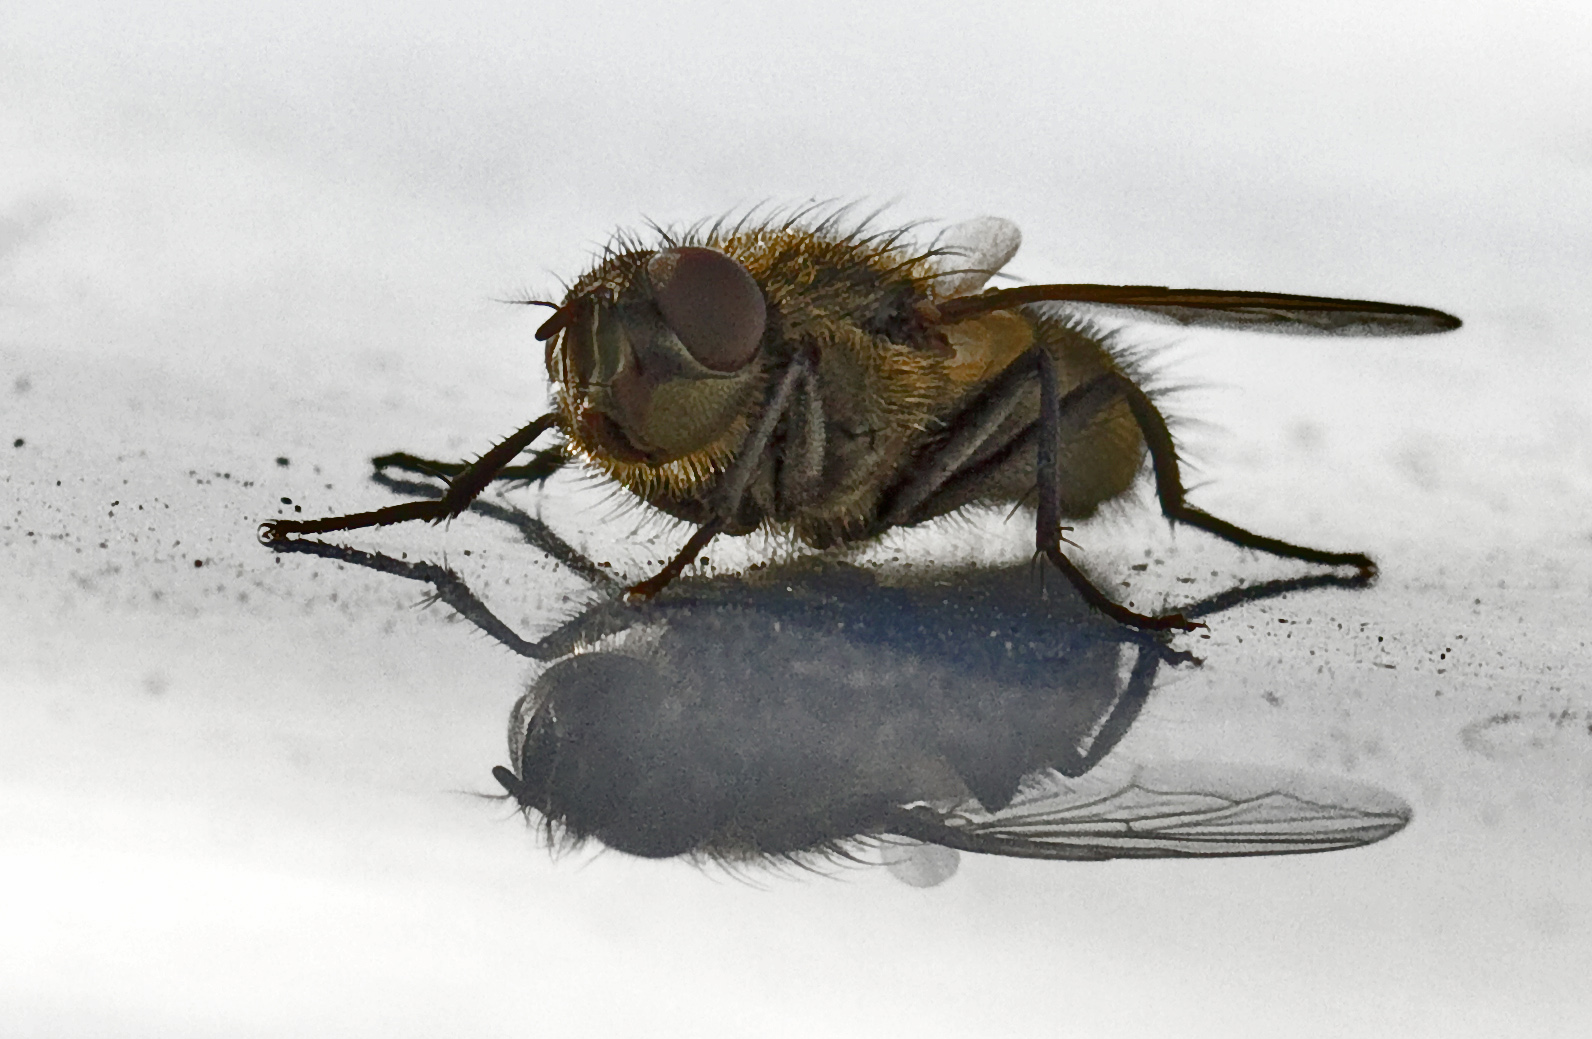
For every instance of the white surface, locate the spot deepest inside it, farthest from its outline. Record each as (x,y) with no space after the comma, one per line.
(230,795)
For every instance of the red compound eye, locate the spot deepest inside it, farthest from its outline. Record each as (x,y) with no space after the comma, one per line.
(711,304)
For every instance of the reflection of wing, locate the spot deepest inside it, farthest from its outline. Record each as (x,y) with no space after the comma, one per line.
(917,864)
(1172,811)
(1214,308)
(971,252)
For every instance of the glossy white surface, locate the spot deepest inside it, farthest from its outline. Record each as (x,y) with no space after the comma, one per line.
(233,797)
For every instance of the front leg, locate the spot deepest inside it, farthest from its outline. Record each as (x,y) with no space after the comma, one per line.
(463,489)
(541,465)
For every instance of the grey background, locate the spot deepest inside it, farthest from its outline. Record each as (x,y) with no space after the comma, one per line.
(232,796)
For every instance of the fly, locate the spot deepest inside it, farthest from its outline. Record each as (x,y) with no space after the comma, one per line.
(836,382)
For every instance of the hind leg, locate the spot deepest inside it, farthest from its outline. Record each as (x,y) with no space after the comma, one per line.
(1169,488)
(1077,408)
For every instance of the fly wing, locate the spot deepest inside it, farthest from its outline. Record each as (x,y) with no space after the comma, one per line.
(970,253)
(1215,308)
(1182,810)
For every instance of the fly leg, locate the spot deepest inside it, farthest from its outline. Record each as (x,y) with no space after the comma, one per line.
(1169,488)
(736,480)
(961,455)
(1076,408)
(1083,403)
(682,559)
(465,486)
(542,464)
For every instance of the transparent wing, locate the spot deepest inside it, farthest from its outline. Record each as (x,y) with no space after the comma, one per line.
(1181,810)
(972,252)
(1273,312)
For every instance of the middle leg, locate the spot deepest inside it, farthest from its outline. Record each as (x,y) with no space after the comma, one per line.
(732,489)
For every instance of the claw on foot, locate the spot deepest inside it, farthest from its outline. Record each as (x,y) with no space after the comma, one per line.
(275,531)
(1178,621)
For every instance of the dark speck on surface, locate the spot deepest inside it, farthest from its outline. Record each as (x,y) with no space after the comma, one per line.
(282,461)
(18,442)
(197,563)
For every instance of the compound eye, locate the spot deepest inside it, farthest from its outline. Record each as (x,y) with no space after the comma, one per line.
(711,304)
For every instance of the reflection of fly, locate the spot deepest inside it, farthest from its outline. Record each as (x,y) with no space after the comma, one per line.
(812,710)
(835,383)
(734,725)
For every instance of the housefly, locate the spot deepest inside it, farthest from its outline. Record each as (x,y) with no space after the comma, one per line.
(834,382)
